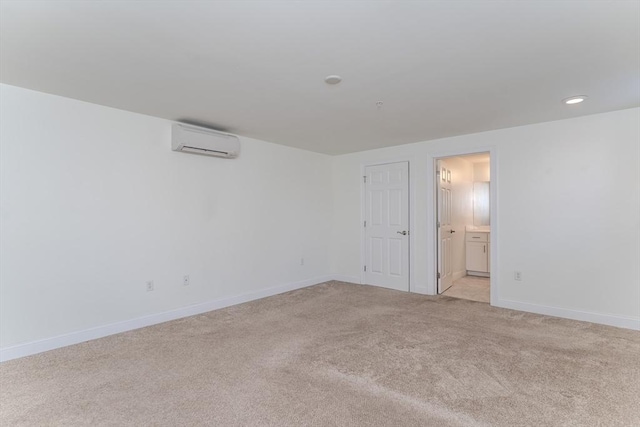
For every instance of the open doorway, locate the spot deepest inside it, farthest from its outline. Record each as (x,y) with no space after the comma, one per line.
(463,226)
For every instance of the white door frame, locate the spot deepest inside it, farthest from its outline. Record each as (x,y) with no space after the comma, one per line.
(363,215)
(432,245)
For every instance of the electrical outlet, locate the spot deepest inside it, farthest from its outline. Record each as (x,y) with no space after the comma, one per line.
(185,280)
(517,275)
(149,285)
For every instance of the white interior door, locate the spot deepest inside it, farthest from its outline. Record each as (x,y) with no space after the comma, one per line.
(387,226)
(445,268)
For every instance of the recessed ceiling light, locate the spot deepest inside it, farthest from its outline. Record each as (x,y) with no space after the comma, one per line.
(332,79)
(575,99)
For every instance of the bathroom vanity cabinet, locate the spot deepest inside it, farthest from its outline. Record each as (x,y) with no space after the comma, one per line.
(477,243)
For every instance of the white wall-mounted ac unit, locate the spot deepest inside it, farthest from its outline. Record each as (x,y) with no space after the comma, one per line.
(194,139)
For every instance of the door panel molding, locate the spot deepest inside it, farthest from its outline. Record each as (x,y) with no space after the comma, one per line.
(443,218)
(387,198)
(411,213)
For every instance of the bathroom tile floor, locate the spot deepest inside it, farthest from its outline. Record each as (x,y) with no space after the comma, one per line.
(470,287)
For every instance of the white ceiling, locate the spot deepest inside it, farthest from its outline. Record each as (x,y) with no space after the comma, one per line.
(256,68)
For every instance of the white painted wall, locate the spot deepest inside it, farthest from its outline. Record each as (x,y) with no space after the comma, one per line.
(94,203)
(461,210)
(568,214)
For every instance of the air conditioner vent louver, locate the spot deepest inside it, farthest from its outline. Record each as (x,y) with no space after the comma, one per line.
(197,140)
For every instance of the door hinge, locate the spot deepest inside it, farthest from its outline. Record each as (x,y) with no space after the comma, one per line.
(365,179)
(438,224)
(365,223)
(438,275)
(365,268)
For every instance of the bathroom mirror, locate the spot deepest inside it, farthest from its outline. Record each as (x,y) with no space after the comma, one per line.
(481,203)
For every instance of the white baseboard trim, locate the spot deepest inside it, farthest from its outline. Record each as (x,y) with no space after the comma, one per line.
(348,279)
(34,347)
(478,273)
(586,316)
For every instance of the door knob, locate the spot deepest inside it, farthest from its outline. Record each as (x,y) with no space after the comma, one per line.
(404,233)
(452,231)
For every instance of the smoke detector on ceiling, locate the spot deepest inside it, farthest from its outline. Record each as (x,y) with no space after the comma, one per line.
(332,79)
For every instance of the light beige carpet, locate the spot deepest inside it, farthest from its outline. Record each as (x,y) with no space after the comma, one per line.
(470,287)
(337,355)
